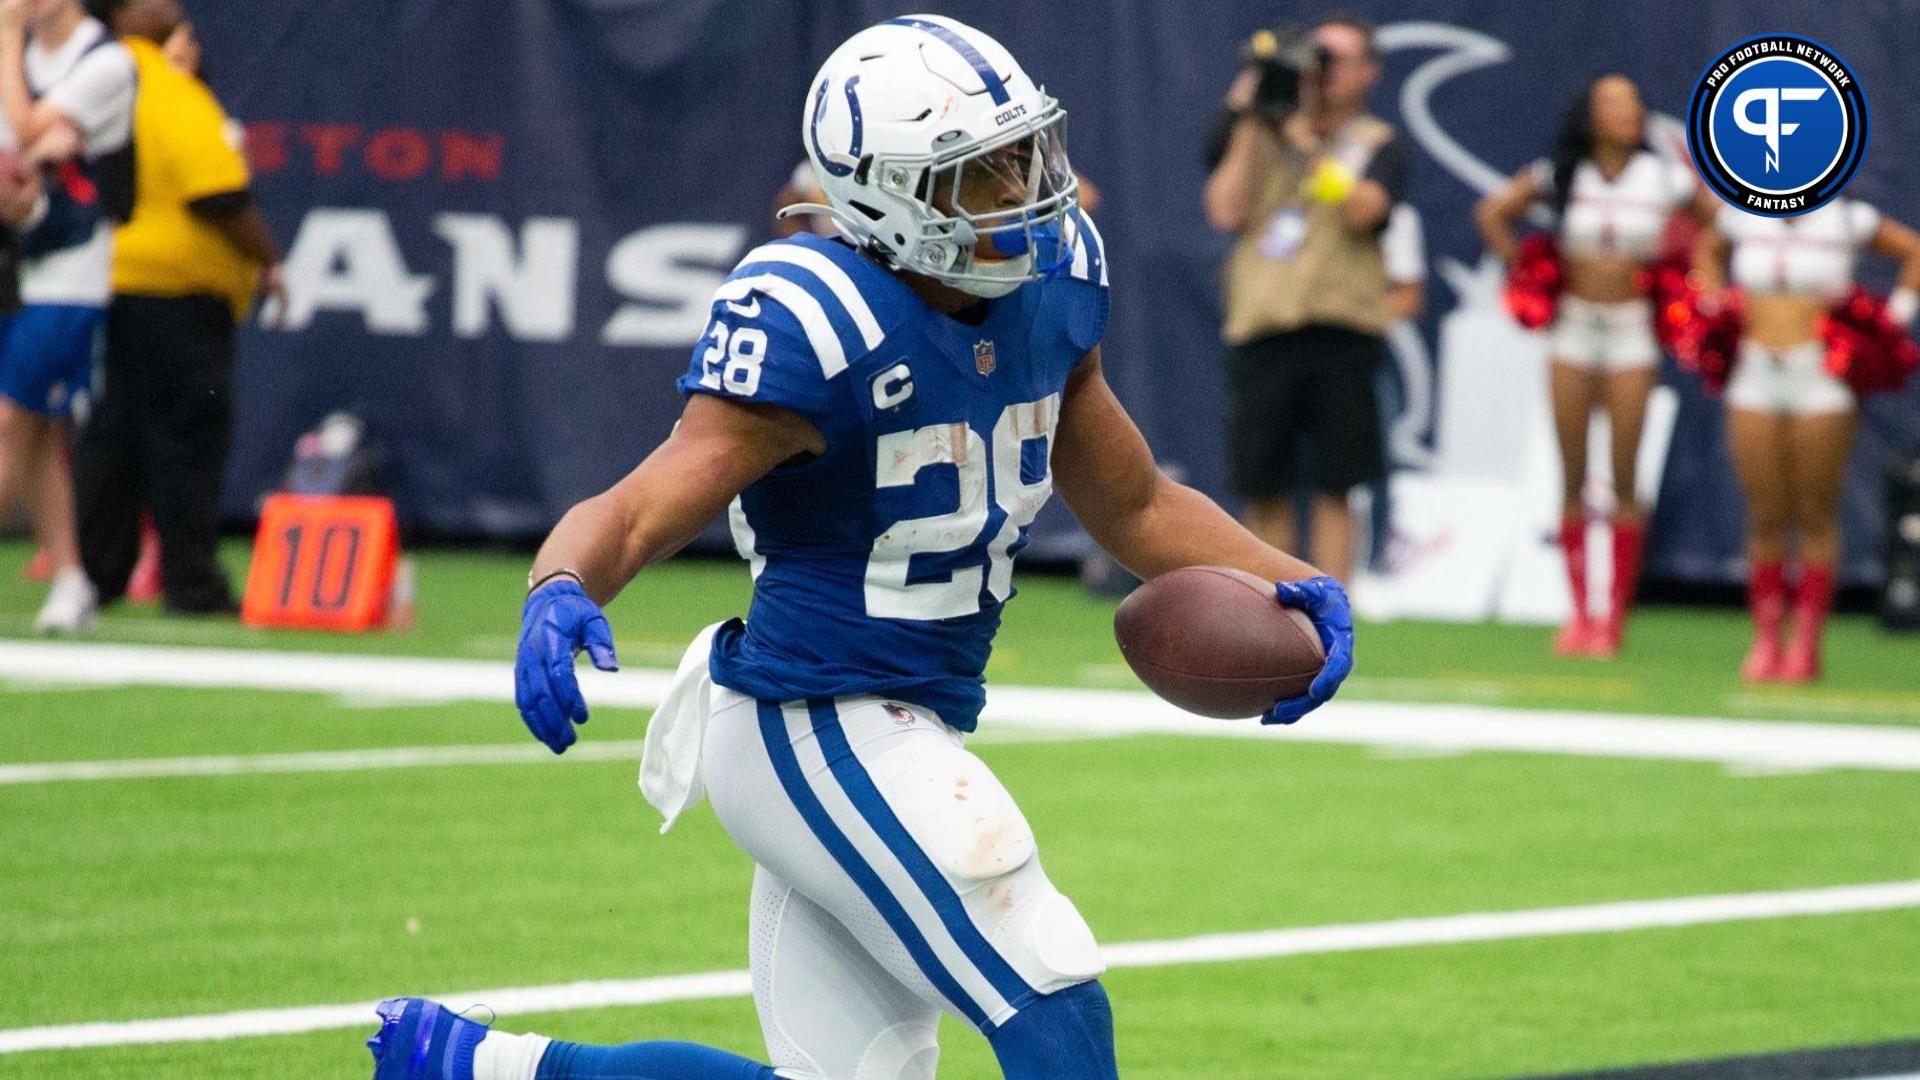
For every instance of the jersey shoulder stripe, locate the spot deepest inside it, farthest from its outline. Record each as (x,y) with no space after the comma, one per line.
(806,309)
(846,303)
(1089,251)
(831,276)
(852,343)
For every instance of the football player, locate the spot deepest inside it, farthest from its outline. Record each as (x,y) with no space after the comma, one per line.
(880,416)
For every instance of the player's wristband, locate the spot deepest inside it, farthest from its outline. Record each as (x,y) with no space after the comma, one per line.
(564,571)
(1902,306)
(1331,182)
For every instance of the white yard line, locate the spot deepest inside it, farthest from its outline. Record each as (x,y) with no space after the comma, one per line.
(391,677)
(312,761)
(1755,747)
(1207,949)
(526,752)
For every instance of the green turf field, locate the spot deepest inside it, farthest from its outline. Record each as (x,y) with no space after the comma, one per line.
(150,898)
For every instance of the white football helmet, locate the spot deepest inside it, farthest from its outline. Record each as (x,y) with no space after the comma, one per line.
(928,138)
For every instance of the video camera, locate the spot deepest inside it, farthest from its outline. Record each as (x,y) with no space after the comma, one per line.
(1283,56)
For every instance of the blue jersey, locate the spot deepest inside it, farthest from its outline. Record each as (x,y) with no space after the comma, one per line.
(880,566)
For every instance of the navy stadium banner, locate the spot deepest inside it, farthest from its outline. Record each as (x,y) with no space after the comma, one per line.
(505,218)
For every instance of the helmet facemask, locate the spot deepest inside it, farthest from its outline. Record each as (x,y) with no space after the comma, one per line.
(990,212)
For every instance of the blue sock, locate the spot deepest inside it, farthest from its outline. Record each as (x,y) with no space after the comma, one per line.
(1065,1035)
(646,1061)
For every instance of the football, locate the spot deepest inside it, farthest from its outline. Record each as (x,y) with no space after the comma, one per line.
(1215,641)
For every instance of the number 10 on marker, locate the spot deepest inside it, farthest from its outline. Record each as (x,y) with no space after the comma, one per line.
(322,562)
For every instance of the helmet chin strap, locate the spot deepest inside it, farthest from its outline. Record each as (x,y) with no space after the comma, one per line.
(995,278)
(991,280)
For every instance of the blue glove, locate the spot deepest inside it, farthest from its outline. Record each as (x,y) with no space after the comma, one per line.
(558,621)
(1325,602)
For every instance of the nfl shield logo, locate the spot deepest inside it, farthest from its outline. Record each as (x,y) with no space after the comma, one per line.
(983,357)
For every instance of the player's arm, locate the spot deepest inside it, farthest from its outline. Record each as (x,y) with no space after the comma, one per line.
(719,448)
(1104,470)
(1151,523)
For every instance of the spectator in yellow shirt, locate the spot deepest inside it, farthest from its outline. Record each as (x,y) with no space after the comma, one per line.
(186,269)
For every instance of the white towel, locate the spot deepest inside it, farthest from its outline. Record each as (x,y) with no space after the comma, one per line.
(670,764)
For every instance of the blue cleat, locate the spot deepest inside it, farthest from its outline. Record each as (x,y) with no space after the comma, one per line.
(423,1040)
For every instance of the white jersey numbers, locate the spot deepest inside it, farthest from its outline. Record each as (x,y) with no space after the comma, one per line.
(733,360)
(1022,425)
(901,455)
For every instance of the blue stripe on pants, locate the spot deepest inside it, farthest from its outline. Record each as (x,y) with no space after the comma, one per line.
(773,731)
(873,807)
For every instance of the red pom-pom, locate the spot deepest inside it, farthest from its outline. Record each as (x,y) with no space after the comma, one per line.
(1865,347)
(1703,338)
(1533,281)
(1671,296)
(1711,345)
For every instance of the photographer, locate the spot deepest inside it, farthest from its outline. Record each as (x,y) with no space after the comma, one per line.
(1306,180)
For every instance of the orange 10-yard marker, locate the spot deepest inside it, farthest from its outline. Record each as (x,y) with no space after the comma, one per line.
(322,562)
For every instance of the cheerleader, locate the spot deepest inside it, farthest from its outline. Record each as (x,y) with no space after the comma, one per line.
(1790,418)
(1611,198)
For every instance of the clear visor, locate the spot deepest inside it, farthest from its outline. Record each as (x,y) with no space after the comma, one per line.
(1010,193)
